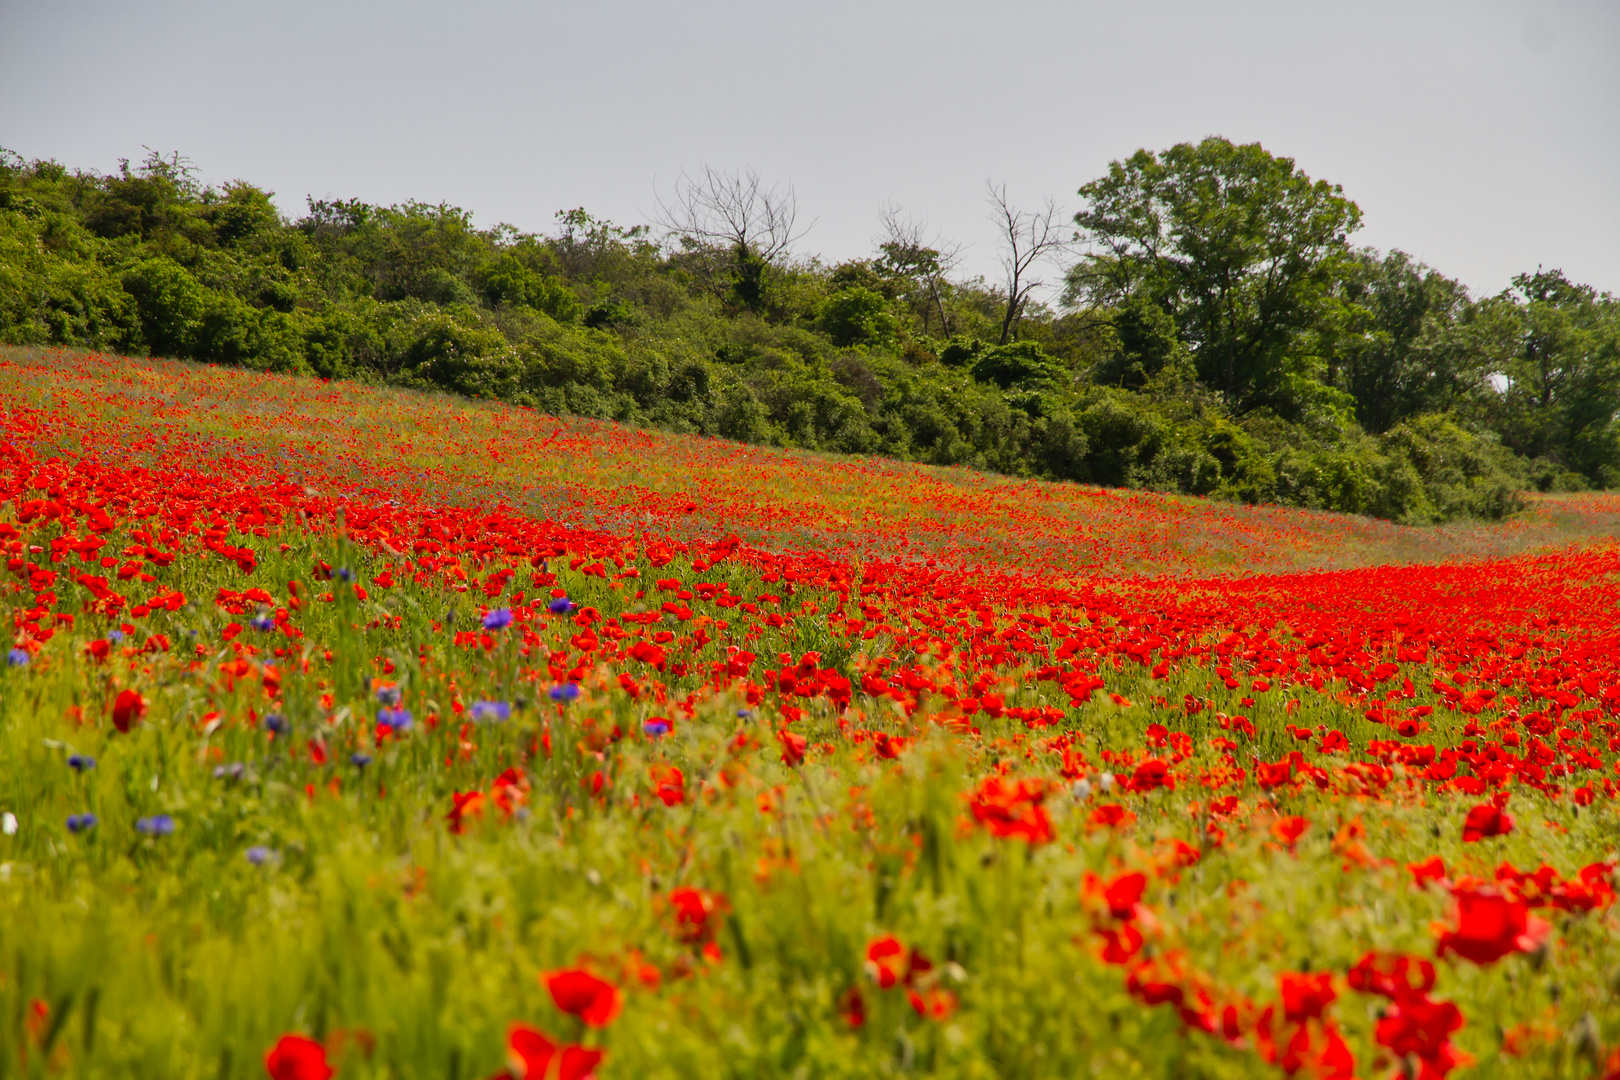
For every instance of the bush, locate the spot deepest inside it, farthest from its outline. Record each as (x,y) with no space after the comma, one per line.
(171,305)
(857,316)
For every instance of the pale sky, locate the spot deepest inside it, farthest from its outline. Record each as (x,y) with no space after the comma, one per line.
(1483,136)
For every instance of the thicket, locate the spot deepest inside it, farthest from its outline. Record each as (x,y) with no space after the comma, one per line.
(1219,335)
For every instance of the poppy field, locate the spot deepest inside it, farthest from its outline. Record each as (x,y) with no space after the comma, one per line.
(350,732)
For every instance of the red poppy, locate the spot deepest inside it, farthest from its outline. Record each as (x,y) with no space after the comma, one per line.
(529,1055)
(1121,944)
(595,1001)
(935,1003)
(1416,1026)
(669,784)
(127,709)
(696,912)
(1490,926)
(1391,975)
(852,1007)
(793,747)
(1306,997)
(528,1052)
(1431,869)
(1152,773)
(297,1058)
(1123,894)
(1289,829)
(1012,808)
(1112,814)
(579,1063)
(1486,819)
(1151,984)
(886,961)
(467,805)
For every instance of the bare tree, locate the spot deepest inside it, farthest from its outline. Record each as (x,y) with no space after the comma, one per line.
(1028,238)
(738,214)
(907,249)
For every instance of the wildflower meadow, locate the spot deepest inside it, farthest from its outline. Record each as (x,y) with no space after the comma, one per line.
(352,732)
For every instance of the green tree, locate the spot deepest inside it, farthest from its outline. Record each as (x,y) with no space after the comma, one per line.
(1234,244)
(1391,339)
(857,316)
(1558,381)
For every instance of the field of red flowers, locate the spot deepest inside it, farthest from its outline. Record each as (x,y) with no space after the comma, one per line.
(344,728)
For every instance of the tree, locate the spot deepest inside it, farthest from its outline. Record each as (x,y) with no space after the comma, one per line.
(924,263)
(1027,238)
(756,226)
(1232,244)
(1559,377)
(1393,339)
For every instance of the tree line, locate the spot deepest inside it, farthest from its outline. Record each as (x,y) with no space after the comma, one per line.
(1211,329)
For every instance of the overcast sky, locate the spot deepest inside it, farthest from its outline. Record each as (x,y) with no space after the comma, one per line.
(1481,136)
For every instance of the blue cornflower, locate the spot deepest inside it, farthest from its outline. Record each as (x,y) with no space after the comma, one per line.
(277,723)
(560,605)
(744,714)
(655,728)
(491,710)
(498,619)
(17,657)
(389,695)
(398,719)
(359,760)
(262,623)
(234,771)
(80,762)
(565,692)
(259,855)
(345,574)
(115,636)
(77,823)
(156,825)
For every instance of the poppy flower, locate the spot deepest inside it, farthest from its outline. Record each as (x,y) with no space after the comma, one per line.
(852,1007)
(297,1058)
(1416,1026)
(695,913)
(1431,869)
(935,1003)
(1120,944)
(529,1055)
(1392,976)
(793,747)
(467,805)
(1012,808)
(1490,926)
(595,1001)
(1289,829)
(1123,894)
(669,784)
(1486,819)
(1306,996)
(885,961)
(1112,815)
(128,708)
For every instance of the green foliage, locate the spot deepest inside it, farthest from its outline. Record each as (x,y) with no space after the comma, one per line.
(171,303)
(1222,340)
(1233,244)
(857,316)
